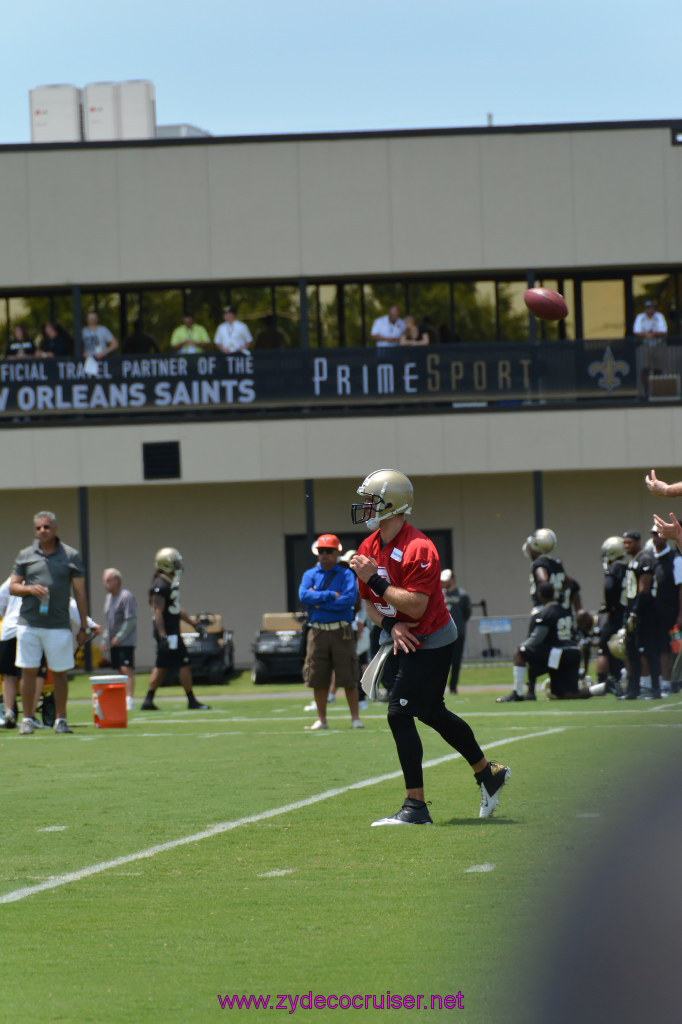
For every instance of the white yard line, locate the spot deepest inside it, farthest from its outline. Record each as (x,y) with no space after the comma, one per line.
(226,826)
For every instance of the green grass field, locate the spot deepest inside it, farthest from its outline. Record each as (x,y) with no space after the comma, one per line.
(202,854)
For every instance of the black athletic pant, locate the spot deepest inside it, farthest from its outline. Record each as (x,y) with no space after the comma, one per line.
(418,693)
(457,652)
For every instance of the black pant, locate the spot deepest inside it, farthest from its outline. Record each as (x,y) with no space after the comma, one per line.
(418,693)
(642,641)
(457,652)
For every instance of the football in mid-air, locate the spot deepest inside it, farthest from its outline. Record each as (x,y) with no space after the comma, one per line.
(545,303)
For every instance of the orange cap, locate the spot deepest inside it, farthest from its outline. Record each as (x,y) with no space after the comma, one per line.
(327,540)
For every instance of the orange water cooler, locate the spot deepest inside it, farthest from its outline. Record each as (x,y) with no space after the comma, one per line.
(109,702)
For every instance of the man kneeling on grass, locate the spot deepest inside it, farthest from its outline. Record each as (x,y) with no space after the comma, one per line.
(551,648)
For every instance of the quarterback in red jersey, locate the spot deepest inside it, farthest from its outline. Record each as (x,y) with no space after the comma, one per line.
(399,580)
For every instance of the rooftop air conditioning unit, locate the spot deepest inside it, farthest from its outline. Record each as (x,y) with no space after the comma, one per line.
(56,114)
(138,109)
(101,108)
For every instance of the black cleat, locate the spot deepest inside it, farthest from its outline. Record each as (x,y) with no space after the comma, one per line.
(511,698)
(530,696)
(195,705)
(411,813)
(148,705)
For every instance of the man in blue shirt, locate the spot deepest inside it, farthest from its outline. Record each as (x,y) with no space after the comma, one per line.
(329,591)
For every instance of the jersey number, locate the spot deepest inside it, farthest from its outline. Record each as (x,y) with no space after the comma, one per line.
(385,609)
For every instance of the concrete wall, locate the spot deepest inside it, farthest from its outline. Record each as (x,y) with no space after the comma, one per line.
(355,206)
(328,449)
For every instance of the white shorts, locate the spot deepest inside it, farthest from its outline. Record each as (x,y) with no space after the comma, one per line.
(55,644)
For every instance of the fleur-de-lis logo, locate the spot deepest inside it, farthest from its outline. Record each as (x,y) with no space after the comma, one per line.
(609,368)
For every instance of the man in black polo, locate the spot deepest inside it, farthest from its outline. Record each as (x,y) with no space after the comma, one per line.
(43,576)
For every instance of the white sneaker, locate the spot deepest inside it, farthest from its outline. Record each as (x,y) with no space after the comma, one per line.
(331,698)
(27,728)
(363,705)
(130,704)
(311,707)
(316,726)
(10,719)
(490,794)
(356,724)
(37,724)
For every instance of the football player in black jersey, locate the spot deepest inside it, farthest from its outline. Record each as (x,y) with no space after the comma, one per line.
(640,622)
(614,561)
(566,591)
(167,612)
(551,647)
(667,602)
(545,569)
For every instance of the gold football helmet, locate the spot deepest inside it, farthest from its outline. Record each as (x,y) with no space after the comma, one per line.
(616,644)
(168,561)
(539,543)
(385,493)
(612,549)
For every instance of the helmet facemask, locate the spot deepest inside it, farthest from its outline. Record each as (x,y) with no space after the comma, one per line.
(369,511)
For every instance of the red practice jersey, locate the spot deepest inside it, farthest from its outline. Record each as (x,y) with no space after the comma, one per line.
(410,561)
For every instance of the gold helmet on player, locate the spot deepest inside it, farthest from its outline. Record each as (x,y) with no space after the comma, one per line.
(385,493)
(612,550)
(168,562)
(616,644)
(539,543)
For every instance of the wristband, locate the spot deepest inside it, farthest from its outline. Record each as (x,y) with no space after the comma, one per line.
(378,584)
(388,622)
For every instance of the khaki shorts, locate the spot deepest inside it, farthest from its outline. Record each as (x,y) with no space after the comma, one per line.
(327,651)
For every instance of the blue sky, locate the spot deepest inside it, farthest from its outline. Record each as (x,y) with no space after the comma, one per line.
(262,66)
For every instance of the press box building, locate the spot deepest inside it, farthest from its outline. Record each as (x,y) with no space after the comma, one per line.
(501,424)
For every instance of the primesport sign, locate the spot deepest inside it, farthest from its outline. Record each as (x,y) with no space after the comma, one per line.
(312,379)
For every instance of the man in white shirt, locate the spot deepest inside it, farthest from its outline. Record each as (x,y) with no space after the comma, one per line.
(650,326)
(98,341)
(232,335)
(387,330)
(651,329)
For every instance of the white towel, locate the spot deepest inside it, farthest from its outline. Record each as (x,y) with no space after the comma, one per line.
(371,677)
